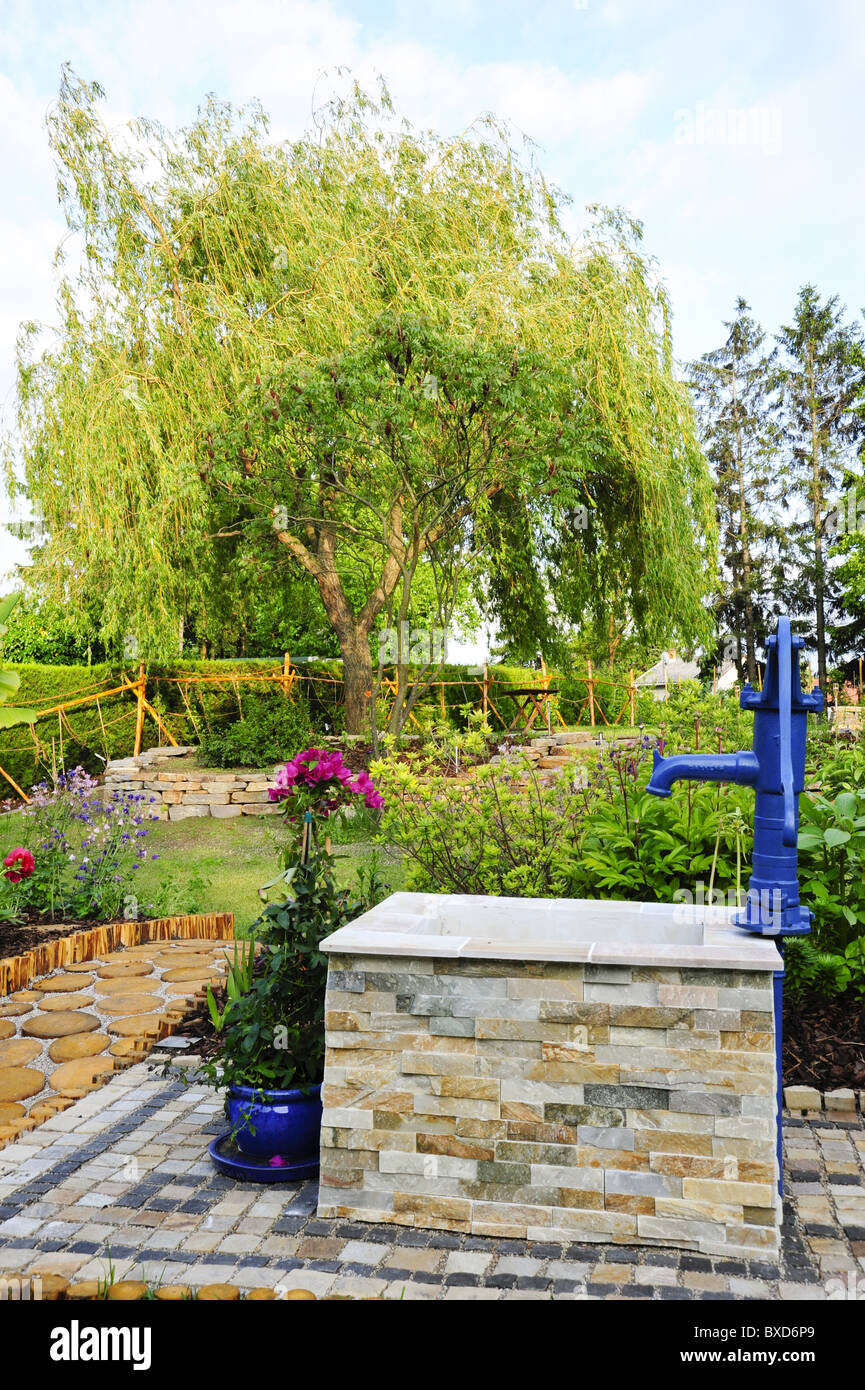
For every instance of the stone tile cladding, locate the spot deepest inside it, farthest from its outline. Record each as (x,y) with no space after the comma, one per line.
(542,1101)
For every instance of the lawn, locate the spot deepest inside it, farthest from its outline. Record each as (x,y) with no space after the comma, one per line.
(209,865)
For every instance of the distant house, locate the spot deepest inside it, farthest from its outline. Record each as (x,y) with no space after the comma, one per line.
(671,670)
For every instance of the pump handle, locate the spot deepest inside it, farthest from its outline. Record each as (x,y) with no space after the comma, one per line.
(784,656)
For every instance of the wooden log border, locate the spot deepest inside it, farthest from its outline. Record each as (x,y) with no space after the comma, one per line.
(17,972)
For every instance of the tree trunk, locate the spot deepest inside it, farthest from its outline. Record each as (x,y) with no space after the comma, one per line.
(357,673)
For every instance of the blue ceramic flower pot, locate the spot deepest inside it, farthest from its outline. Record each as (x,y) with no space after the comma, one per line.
(267,1123)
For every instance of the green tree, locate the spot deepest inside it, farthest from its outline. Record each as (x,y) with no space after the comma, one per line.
(735,386)
(823,380)
(365,352)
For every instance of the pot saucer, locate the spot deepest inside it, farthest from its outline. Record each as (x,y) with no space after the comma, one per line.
(247,1168)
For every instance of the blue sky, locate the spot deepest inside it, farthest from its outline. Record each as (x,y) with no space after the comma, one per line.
(734,132)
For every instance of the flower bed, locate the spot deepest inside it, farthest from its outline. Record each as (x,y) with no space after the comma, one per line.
(81,855)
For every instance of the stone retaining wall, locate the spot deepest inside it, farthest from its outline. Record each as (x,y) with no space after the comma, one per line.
(183,789)
(552,1102)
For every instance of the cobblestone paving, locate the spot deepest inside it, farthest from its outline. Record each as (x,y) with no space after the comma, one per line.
(124,1174)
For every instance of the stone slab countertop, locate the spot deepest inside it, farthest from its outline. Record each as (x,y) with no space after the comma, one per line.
(564,930)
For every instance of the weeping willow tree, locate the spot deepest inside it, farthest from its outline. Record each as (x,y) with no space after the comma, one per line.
(362,356)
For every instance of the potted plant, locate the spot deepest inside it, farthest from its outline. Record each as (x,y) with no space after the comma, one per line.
(271,1056)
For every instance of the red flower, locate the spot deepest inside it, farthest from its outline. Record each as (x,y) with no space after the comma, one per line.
(19,864)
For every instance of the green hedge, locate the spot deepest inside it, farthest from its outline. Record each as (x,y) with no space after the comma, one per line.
(208,709)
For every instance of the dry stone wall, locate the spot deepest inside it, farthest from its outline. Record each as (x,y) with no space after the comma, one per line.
(183,790)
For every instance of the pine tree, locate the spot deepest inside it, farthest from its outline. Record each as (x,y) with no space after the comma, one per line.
(734,387)
(822,382)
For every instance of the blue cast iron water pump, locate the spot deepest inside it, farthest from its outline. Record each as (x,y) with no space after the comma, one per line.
(775,768)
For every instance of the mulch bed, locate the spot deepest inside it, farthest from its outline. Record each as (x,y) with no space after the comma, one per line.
(824,1042)
(15,940)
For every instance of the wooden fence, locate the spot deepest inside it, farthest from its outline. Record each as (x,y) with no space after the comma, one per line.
(532,706)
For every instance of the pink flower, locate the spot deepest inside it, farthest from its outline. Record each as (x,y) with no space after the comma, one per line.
(318,769)
(19,864)
(276,1162)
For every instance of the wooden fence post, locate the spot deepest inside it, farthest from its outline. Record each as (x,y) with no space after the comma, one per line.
(139,718)
(860,680)
(632,693)
(286,674)
(487,686)
(590,683)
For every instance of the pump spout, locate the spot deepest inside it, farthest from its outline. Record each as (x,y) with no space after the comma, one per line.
(742,768)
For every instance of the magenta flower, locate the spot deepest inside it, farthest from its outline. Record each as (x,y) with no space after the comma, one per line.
(321,770)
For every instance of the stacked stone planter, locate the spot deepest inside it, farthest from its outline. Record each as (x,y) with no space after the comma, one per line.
(489,1072)
(184,790)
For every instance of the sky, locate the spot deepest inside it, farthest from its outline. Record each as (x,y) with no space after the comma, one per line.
(733,132)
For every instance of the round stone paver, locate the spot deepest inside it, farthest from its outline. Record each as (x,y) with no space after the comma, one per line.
(10,1110)
(125,985)
(26,996)
(60,1025)
(73,1075)
(65,983)
(17,1052)
(81,967)
(119,1004)
(170,961)
(78,1045)
(18,1083)
(7,1029)
(14,1011)
(128,1047)
(177,976)
(136,1027)
(53,1003)
(124,967)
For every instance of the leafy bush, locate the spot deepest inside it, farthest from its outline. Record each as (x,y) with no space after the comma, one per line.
(638,847)
(691,719)
(270,729)
(609,839)
(484,836)
(832,865)
(807,969)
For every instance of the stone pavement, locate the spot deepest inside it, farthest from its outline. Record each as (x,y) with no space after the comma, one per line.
(123,1179)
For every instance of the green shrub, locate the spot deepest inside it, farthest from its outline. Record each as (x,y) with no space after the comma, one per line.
(832,866)
(610,839)
(807,969)
(482,837)
(690,718)
(270,730)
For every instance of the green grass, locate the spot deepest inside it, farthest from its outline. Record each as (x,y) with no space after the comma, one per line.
(209,865)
